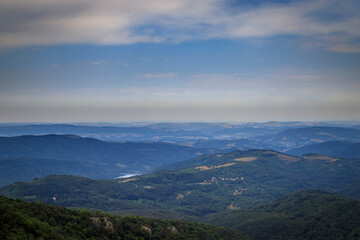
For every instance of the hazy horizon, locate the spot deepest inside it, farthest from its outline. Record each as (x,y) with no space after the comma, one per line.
(144,123)
(179,61)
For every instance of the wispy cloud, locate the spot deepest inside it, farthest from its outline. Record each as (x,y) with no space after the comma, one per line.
(158,75)
(95,63)
(345,48)
(330,24)
(103,62)
(100,62)
(305,77)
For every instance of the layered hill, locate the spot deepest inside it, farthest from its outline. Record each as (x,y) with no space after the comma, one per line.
(298,137)
(105,133)
(197,187)
(311,214)
(177,132)
(342,149)
(25,169)
(231,144)
(23,220)
(253,129)
(26,157)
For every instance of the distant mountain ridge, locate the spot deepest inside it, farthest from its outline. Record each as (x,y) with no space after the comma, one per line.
(177,131)
(73,147)
(342,149)
(84,156)
(298,137)
(231,144)
(107,133)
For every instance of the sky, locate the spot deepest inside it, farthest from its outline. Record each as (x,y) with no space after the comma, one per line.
(179,60)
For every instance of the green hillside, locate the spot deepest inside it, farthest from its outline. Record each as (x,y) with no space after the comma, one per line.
(205,185)
(23,220)
(309,214)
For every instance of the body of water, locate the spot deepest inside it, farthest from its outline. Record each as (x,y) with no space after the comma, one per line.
(127,175)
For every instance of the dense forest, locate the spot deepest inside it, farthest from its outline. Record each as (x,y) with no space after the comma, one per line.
(23,220)
(311,214)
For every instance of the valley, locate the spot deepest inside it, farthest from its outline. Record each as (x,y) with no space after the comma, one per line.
(207,180)
(238,179)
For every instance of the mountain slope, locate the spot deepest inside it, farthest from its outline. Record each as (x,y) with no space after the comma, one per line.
(22,220)
(25,169)
(340,149)
(86,156)
(204,185)
(75,148)
(298,137)
(302,215)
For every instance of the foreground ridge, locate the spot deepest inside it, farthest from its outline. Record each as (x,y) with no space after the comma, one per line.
(24,220)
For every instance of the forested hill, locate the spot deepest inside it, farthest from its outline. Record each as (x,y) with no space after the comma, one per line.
(204,185)
(311,214)
(342,149)
(23,220)
(27,157)
(75,148)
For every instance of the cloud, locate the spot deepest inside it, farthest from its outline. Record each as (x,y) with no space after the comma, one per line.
(98,63)
(345,48)
(322,23)
(331,24)
(38,22)
(306,77)
(158,75)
